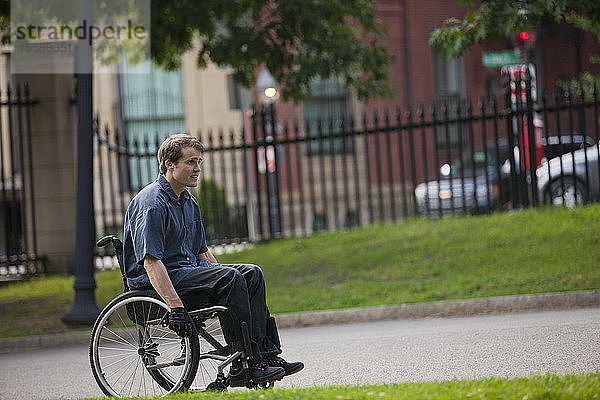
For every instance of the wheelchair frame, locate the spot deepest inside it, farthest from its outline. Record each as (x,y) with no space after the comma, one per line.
(133,353)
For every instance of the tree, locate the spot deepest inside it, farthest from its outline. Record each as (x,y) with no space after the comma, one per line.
(297,41)
(496,19)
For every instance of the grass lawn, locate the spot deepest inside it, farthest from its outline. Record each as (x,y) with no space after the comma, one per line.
(547,387)
(532,251)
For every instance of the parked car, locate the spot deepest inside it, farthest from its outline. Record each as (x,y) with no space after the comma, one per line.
(554,146)
(461,190)
(570,179)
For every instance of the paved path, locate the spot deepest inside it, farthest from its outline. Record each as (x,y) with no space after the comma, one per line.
(509,345)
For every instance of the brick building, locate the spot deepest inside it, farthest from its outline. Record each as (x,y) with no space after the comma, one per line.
(422,75)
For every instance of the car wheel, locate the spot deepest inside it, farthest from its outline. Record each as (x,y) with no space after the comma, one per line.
(567,192)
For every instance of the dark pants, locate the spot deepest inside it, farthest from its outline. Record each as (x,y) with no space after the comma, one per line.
(240,288)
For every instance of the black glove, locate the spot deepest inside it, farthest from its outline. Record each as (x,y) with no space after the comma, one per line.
(180,321)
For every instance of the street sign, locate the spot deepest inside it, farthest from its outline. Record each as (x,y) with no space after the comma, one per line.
(499,58)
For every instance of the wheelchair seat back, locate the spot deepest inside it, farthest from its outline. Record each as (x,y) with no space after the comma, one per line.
(118,246)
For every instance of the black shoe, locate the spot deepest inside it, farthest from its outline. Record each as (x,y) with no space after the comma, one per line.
(260,372)
(289,368)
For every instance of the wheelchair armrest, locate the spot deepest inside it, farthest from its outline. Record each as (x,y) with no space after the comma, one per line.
(207,312)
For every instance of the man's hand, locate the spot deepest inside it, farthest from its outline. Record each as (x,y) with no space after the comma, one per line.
(207,256)
(180,322)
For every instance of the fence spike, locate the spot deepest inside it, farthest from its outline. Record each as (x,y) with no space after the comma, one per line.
(557,95)
(581,92)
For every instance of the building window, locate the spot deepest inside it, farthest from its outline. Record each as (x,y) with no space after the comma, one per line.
(239,96)
(152,108)
(447,78)
(326,114)
(491,89)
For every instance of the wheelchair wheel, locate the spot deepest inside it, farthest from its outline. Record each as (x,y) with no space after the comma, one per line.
(212,353)
(132,354)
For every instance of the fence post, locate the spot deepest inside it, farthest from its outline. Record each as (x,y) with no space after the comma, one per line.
(377,159)
(412,152)
(30,171)
(274,174)
(388,133)
(4,199)
(510,117)
(532,178)
(583,130)
(401,163)
(321,156)
(249,194)
(436,146)
(257,173)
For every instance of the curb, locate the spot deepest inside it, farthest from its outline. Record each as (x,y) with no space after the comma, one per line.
(438,309)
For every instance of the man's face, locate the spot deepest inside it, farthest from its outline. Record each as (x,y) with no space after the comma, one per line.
(186,170)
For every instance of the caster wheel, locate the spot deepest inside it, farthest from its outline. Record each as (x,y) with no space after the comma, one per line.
(266,385)
(216,387)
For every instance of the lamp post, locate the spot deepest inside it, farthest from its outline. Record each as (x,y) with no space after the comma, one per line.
(84,310)
(269,94)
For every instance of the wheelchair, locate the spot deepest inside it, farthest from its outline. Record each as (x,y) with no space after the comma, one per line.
(133,353)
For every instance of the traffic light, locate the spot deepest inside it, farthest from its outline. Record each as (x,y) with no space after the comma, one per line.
(525,39)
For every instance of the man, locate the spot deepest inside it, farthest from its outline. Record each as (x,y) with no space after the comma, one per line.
(165,247)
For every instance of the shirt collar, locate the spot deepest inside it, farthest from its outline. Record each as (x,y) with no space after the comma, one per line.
(165,186)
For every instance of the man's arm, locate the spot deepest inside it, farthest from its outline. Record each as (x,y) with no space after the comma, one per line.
(159,278)
(207,256)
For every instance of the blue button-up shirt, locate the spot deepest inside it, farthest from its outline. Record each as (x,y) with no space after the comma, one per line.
(165,226)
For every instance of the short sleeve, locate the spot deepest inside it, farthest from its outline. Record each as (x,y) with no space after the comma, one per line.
(202,239)
(200,245)
(148,234)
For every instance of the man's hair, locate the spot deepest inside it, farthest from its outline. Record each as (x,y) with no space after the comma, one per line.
(172,148)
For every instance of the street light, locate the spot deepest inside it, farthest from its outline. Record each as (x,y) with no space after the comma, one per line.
(269,90)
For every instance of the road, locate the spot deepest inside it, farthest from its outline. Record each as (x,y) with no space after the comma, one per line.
(506,345)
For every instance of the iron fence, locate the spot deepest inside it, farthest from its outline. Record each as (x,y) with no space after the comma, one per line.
(18,241)
(274,178)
